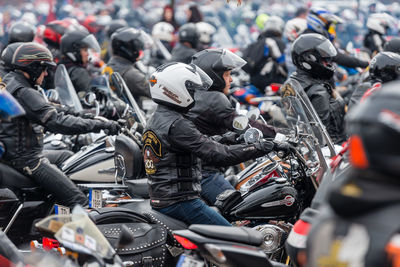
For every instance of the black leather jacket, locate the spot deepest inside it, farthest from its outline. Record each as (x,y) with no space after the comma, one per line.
(362,219)
(213,114)
(173,148)
(374,41)
(330,110)
(23,136)
(182,53)
(134,78)
(79,75)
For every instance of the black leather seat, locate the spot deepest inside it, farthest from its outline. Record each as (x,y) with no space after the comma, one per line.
(138,187)
(243,235)
(11,178)
(128,158)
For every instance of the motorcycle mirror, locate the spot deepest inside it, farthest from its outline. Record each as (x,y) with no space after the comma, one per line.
(240,122)
(90,99)
(252,135)
(253,114)
(125,238)
(52,95)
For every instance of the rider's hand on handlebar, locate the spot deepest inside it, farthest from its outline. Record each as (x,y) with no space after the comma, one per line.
(282,147)
(111,127)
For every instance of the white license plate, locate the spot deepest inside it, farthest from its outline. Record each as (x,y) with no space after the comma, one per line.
(188,261)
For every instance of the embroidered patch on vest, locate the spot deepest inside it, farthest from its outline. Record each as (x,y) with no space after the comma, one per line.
(151,151)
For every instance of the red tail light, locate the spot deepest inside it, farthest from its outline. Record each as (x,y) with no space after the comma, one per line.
(186,243)
(49,244)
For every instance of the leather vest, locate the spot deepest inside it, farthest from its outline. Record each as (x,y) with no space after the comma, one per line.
(174,175)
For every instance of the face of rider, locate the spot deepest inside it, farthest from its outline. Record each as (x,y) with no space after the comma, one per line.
(85,55)
(39,80)
(228,80)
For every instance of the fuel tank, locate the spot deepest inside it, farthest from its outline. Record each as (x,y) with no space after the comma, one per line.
(277,199)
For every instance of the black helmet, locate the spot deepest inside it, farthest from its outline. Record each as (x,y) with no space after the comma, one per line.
(313,53)
(72,42)
(21,31)
(215,62)
(188,33)
(115,25)
(384,67)
(393,45)
(127,43)
(32,58)
(374,126)
(7,55)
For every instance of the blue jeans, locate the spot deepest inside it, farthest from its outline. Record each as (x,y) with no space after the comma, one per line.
(213,184)
(194,211)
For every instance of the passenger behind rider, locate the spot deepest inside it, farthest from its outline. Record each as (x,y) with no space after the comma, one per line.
(213,113)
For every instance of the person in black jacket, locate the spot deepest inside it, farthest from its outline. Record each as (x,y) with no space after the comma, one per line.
(74,47)
(323,22)
(23,136)
(173,147)
(360,227)
(213,113)
(126,45)
(312,54)
(266,57)
(384,67)
(188,42)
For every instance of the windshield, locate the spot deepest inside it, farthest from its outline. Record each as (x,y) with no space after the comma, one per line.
(289,119)
(66,90)
(78,233)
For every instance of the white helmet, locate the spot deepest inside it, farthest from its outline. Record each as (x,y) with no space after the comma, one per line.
(275,24)
(380,22)
(163,31)
(294,28)
(173,84)
(206,31)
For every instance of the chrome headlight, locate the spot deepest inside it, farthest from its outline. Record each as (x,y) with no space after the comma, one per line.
(274,237)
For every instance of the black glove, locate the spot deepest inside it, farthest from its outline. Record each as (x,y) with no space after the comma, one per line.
(111,127)
(229,138)
(265,146)
(86,115)
(282,147)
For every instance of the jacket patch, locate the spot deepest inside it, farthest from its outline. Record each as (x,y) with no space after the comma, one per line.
(151,151)
(287,90)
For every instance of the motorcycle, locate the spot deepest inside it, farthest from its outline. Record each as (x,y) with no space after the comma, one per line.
(222,246)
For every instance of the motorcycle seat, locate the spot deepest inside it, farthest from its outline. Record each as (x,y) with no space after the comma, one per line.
(138,187)
(243,235)
(10,178)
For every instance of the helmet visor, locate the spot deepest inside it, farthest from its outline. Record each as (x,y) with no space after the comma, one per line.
(91,43)
(205,80)
(326,49)
(229,61)
(9,107)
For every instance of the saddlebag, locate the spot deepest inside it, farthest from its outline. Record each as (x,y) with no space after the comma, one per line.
(149,245)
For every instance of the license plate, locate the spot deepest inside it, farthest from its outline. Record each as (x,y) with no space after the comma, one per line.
(59,209)
(188,261)
(95,199)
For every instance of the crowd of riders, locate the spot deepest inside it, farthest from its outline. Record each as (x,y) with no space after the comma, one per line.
(342,59)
